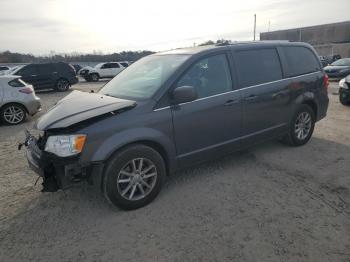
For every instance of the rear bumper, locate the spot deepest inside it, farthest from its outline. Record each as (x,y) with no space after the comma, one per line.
(322,106)
(74,80)
(33,106)
(60,172)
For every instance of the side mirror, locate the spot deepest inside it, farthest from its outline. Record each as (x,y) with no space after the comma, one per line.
(183,94)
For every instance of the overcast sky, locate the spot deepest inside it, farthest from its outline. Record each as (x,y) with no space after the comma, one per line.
(39,26)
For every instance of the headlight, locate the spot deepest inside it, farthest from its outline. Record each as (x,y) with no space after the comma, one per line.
(66,145)
(342,84)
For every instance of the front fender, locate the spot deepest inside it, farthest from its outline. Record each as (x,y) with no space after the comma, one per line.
(123,138)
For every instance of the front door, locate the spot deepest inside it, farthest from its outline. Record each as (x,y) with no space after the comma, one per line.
(46,75)
(115,69)
(211,124)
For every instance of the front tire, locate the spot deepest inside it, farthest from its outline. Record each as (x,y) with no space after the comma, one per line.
(13,114)
(301,127)
(94,77)
(343,100)
(134,177)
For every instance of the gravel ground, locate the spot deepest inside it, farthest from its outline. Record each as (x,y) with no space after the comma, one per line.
(269,203)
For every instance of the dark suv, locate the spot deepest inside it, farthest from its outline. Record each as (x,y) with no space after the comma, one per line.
(171,110)
(59,76)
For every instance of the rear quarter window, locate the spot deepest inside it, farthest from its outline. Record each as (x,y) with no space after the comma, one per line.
(300,60)
(258,66)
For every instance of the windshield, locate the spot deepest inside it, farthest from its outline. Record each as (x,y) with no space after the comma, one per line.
(143,78)
(342,62)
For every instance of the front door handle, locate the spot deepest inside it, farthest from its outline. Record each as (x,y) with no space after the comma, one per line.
(231,102)
(251,97)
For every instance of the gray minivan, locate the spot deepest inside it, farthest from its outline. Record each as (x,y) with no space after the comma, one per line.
(173,109)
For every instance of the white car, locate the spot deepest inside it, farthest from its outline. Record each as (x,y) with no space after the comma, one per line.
(17,99)
(102,70)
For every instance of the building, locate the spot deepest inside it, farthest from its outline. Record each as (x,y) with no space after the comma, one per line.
(327,39)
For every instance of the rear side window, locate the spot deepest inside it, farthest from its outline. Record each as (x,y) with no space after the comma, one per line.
(114,65)
(45,69)
(124,64)
(258,66)
(300,60)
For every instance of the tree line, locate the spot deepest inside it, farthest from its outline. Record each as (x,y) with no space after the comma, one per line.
(10,57)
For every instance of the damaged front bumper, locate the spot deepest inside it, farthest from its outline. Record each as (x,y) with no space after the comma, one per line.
(59,172)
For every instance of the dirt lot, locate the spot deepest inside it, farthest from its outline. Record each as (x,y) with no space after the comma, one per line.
(270,203)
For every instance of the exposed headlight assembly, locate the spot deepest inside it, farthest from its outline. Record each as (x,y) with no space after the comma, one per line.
(343,84)
(65,145)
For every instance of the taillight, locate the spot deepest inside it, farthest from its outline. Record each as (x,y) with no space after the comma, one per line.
(26,90)
(325,82)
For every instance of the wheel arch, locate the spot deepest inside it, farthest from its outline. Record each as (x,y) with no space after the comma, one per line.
(147,142)
(14,103)
(308,99)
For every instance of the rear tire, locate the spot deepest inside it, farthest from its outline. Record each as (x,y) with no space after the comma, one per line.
(13,114)
(134,177)
(301,127)
(62,85)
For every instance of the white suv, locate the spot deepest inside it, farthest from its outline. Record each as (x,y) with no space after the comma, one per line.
(102,70)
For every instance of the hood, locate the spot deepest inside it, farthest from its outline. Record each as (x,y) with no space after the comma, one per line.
(335,68)
(79,106)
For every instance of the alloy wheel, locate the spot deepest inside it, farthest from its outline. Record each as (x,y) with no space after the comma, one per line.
(137,179)
(62,85)
(303,125)
(13,114)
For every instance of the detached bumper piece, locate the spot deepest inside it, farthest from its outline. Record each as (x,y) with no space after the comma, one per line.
(57,173)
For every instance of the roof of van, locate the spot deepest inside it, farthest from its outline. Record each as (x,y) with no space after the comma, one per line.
(200,49)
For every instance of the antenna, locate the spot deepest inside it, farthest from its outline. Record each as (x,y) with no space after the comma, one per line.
(254,25)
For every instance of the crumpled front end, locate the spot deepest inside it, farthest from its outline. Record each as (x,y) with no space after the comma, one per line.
(58,172)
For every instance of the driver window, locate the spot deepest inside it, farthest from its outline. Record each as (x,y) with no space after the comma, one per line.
(210,76)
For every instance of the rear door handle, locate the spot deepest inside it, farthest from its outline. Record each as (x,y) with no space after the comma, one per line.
(250,98)
(231,102)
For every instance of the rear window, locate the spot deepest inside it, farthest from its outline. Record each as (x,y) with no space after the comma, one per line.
(258,66)
(17,83)
(300,60)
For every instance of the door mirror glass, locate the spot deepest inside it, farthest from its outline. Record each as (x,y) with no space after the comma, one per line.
(184,94)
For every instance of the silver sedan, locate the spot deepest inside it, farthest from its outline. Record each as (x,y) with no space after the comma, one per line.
(17,99)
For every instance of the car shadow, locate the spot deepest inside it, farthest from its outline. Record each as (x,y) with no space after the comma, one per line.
(299,163)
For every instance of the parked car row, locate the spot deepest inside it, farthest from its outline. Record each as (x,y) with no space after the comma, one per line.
(171,110)
(326,60)
(338,69)
(344,91)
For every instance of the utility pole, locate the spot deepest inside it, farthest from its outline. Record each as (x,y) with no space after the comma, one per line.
(268,29)
(254,25)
